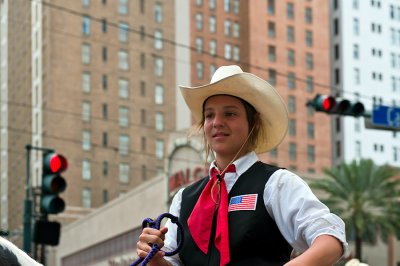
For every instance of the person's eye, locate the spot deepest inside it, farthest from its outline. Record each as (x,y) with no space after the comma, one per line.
(230,114)
(208,115)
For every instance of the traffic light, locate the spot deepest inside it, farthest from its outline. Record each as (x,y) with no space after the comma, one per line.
(47,232)
(335,105)
(53,183)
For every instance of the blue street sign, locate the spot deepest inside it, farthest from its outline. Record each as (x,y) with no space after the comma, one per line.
(386,116)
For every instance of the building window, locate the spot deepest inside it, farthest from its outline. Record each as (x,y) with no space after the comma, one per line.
(290,34)
(291,80)
(105,168)
(105,110)
(123,145)
(86,174)
(291,57)
(158,66)
(123,32)
(86,111)
(105,139)
(271,30)
(292,127)
(142,33)
(357,78)
(213,47)
(310,153)
(199,70)
(104,82)
(158,13)
(212,4)
(123,60)
(143,143)
(142,6)
(105,196)
(309,38)
(236,53)
(336,27)
(291,104)
(104,54)
(123,88)
(236,29)
(86,25)
(292,151)
(144,172)
(309,61)
(310,130)
(123,116)
(158,40)
(356,26)
(85,3)
(271,7)
(86,53)
(272,76)
(86,82)
(228,51)
(236,6)
(227,27)
(212,70)
(86,140)
(143,117)
(199,45)
(271,53)
(309,84)
(159,149)
(142,60)
(124,174)
(199,21)
(290,10)
(308,15)
(159,94)
(86,198)
(159,121)
(104,25)
(227,6)
(356,52)
(213,24)
(199,2)
(123,7)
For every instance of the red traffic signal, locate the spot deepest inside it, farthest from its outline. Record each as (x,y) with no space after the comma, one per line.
(55,163)
(335,105)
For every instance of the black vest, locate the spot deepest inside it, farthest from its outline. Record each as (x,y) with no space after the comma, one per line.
(253,235)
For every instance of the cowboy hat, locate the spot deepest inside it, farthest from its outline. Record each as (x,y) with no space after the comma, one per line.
(231,80)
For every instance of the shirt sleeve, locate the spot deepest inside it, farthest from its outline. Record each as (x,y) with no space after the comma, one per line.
(170,243)
(298,213)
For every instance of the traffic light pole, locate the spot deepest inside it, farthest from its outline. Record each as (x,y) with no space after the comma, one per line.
(27,244)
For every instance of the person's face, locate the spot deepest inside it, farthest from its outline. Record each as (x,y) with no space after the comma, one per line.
(225,125)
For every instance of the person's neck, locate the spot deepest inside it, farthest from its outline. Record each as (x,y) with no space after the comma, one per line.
(223,162)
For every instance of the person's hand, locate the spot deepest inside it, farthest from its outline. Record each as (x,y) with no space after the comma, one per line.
(149,237)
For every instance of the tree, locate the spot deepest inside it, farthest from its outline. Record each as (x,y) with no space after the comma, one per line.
(366,196)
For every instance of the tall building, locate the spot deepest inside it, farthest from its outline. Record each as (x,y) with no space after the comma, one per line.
(93,80)
(365,67)
(284,42)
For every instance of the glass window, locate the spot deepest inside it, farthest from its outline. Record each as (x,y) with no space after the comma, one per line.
(158,66)
(104,25)
(105,110)
(86,82)
(213,24)
(123,116)
(227,5)
(158,12)
(143,117)
(236,29)
(227,27)
(290,34)
(199,45)
(159,149)
(213,47)
(309,84)
(123,7)
(86,198)
(291,104)
(292,151)
(86,25)
(291,80)
(212,4)
(159,121)
(291,57)
(159,94)
(199,21)
(86,53)
(271,53)
(310,153)
(124,174)
(85,3)
(236,6)
(308,15)
(105,168)
(86,175)
(309,61)
(104,81)
(271,29)
(144,172)
(86,140)
(123,60)
(123,88)
(356,26)
(309,38)
(356,51)
(123,144)
(85,111)
(104,54)
(310,130)
(212,69)
(123,33)
(199,70)
(357,78)
(271,7)
(227,51)
(292,127)
(290,10)
(272,76)
(236,53)
(158,40)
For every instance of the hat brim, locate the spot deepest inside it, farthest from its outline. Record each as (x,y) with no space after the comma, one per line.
(256,91)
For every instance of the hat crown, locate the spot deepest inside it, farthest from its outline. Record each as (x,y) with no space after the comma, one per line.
(224,72)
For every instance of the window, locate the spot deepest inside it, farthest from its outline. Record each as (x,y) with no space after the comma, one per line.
(104,54)
(212,4)
(227,27)
(291,57)
(104,82)
(212,70)
(158,13)
(272,76)
(309,84)
(199,70)
(213,24)
(86,175)
(236,53)
(310,130)
(292,151)
(236,29)
(309,61)
(355,4)
(271,53)
(356,52)
(228,51)
(105,139)
(123,88)
(236,6)
(123,7)
(309,38)
(291,104)
(290,11)
(123,60)
(158,66)
(143,117)
(85,3)
(86,25)
(199,2)
(356,26)
(123,116)
(105,168)
(199,21)
(292,127)
(124,174)
(123,146)
(213,47)
(143,142)
(310,153)
(271,30)
(336,52)
(159,149)
(105,195)
(144,172)
(159,94)
(158,40)
(159,121)
(336,26)
(105,110)
(104,25)
(357,78)
(291,80)
(142,61)
(308,15)
(271,7)
(123,32)
(86,140)
(86,53)
(86,111)
(290,34)
(199,45)
(86,198)
(227,6)
(86,82)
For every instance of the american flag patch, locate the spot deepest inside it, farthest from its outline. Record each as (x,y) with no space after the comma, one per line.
(243,203)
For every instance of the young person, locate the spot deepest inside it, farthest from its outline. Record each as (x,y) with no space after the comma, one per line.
(245,212)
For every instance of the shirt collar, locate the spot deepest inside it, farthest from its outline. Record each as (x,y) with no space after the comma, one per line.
(242,164)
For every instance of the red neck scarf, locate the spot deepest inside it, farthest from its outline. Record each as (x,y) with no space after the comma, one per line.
(201,218)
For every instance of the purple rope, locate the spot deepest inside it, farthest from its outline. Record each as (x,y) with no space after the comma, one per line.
(155,248)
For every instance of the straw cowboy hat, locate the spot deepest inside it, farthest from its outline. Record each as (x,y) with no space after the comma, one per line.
(231,80)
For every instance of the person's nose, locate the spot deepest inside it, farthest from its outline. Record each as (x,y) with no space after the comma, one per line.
(218,121)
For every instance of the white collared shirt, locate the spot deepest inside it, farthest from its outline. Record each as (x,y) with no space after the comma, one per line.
(298,213)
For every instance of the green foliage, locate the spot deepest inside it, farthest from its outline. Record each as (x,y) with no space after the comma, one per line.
(366,196)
